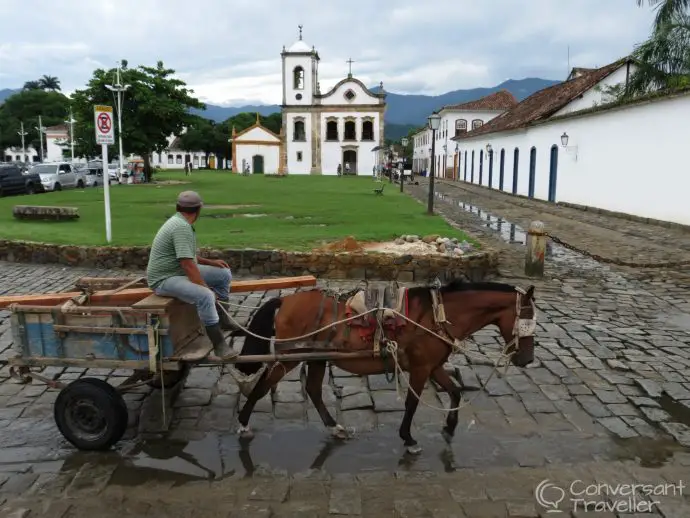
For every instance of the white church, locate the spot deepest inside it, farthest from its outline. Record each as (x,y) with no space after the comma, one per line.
(321,131)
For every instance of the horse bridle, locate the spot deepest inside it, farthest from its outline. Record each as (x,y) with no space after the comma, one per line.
(523,327)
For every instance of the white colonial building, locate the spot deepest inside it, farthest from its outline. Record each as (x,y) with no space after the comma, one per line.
(324,130)
(256,149)
(570,143)
(456,120)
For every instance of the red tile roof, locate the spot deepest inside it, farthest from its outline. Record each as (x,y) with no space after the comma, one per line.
(544,103)
(501,100)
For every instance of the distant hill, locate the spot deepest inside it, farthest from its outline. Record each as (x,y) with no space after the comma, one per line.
(403,112)
(402,109)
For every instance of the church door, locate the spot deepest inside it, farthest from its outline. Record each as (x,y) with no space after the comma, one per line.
(258,164)
(350,158)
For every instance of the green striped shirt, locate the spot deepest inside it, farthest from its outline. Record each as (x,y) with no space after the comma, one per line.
(175,240)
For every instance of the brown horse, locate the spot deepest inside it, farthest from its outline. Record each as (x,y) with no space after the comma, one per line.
(469,307)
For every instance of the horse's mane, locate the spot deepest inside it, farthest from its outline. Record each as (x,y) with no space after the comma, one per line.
(460,285)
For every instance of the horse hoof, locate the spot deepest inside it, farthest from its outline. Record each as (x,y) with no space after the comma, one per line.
(414,449)
(245,432)
(338,432)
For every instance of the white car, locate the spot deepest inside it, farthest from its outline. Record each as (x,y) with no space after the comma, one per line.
(59,175)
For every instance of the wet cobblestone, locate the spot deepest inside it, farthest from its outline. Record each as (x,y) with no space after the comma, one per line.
(609,397)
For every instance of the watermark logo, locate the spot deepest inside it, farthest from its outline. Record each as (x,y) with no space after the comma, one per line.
(617,498)
(549,496)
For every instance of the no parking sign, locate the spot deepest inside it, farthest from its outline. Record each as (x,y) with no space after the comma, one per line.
(103,117)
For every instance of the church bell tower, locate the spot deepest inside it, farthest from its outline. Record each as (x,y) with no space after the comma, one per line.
(300,73)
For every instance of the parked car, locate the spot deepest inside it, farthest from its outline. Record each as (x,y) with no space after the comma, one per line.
(94,177)
(59,175)
(14,181)
(112,170)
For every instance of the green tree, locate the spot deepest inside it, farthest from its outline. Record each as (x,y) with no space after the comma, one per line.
(155,106)
(51,83)
(663,61)
(666,10)
(205,135)
(32,85)
(26,106)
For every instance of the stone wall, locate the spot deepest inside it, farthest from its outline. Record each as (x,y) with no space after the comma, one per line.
(473,266)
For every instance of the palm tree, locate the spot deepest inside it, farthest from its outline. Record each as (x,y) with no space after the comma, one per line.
(666,9)
(664,59)
(32,85)
(51,83)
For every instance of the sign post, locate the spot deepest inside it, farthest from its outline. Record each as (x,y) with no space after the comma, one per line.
(105,136)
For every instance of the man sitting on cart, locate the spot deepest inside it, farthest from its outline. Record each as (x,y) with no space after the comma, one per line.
(175,270)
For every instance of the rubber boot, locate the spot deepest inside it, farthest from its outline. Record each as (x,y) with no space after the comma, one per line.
(225,323)
(221,348)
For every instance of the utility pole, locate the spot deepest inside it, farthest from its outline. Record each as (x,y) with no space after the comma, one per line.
(40,129)
(118,89)
(71,122)
(23,134)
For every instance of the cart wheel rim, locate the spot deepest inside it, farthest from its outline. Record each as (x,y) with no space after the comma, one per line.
(86,420)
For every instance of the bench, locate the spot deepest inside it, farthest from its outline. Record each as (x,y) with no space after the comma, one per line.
(43,213)
(379,190)
(154,302)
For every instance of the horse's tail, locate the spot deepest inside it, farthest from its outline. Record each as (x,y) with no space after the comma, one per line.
(262,324)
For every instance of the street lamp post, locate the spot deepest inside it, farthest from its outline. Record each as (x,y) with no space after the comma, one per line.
(71,122)
(23,134)
(40,130)
(119,90)
(403,141)
(434,123)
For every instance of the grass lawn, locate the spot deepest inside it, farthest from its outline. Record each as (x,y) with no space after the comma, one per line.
(293,213)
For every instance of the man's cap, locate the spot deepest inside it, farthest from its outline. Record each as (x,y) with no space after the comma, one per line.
(189,199)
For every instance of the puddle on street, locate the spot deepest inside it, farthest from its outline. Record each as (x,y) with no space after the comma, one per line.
(515,234)
(295,448)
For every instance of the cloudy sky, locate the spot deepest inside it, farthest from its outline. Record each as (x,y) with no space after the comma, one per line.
(228,51)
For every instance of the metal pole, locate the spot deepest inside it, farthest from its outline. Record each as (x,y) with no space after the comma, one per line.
(23,133)
(71,122)
(430,203)
(106,192)
(119,90)
(40,137)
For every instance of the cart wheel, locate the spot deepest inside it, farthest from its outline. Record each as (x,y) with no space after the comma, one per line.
(169,378)
(91,414)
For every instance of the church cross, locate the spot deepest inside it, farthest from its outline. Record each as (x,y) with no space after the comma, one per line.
(349,62)
(300,32)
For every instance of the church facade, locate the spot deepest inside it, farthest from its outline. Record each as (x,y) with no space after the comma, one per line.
(324,130)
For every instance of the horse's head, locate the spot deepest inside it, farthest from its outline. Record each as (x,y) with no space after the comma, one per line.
(518,324)
(473,306)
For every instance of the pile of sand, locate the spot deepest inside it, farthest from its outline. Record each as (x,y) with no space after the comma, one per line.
(349,244)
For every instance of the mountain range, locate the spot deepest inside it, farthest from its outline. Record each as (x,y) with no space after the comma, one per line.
(403,112)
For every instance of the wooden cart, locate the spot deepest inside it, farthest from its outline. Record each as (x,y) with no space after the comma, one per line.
(110,323)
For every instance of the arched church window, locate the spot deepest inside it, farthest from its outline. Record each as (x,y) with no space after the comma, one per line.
(298,78)
(477,123)
(298,131)
(368,130)
(350,130)
(460,127)
(331,130)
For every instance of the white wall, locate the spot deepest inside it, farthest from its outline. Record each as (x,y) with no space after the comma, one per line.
(444,134)
(610,163)
(270,153)
(338,95)
(332,152)
(595,96)
(295,166)
(289,65)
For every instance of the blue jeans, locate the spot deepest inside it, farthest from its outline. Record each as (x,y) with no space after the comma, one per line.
(180,287)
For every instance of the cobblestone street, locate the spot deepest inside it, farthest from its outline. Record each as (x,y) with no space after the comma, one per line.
(607,402)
